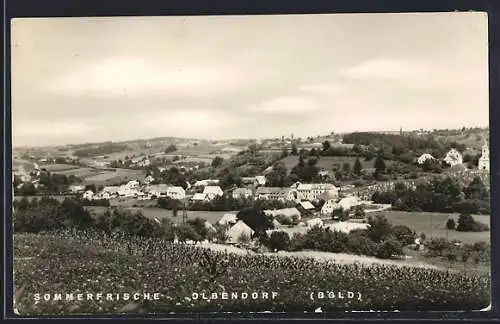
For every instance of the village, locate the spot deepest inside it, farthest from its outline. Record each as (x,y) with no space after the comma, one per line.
(307,204)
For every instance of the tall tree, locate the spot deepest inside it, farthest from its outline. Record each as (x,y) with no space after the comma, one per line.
(357,168)
(379,164)
(294,149)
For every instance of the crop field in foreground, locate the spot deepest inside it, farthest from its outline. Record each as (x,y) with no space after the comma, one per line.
(92,263)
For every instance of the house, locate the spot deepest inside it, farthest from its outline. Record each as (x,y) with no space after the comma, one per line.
(261,180)
(133,184)
(484,160)
(329,206)
(199,197)
(307,205)
(268,170)
(210,227)
(453,157)
(276,223)
(238,230)
(125,191)
(176,192)
(149,179)
(313,191)
(323,173)
(76,188)
(158,190)
(212,192)
(109,192)
(289,213)
(424,158)
(348,202)
(206,182)
(249,181)
(239,193)
(276,193)
(228,219)
(314,222)
(89,195)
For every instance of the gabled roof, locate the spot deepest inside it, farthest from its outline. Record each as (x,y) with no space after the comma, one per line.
(307,205)
(228,219)
(212,190)
(238,229)
(289,212)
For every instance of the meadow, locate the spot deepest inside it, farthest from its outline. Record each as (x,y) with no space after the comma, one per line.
(434,225)
(81,262)
(56,168)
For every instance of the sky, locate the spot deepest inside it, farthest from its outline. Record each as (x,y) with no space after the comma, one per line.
(78,80)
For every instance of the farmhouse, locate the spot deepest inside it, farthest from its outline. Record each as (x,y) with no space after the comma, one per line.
(313,191)
(261,180)
(212,192)
(228,219)
(453,157)
(239,193)
(484,160)
(133,184)
(276,193)
(424,158)
(176,192)
(109,192)
(238,230)
(89,195)
(249,181)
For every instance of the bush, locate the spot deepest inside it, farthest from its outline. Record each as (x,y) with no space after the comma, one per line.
(450,224)
(404,234)
(466,223)
(386,249)
(279,241)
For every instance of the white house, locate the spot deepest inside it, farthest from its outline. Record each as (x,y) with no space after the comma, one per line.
(211,192)
(176,192)
(158,190)
(313,191)
(484,160)
(425,157)
(89,195)
(133,184)
(149,179)
(238,230)
(206,182)
(453,157)
(261,180)
(277,193)
(109,192)
(76,188)
(239,193)
(228,219)
(329,206)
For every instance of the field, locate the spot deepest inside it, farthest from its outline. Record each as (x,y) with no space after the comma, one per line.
(56,168)
(152,212)
(83,262)
(115,177)
(434,225)
(80,172)
(327,162)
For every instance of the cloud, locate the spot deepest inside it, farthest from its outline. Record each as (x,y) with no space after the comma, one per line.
(287,105)
(388,69)
(139,77)
(323,89)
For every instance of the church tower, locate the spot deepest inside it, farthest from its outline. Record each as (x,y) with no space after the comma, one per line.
(484,161)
